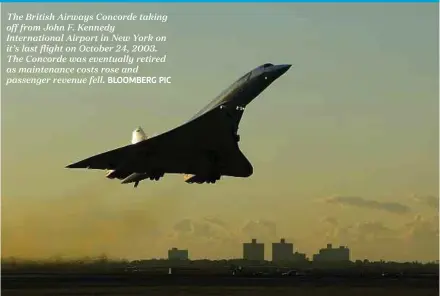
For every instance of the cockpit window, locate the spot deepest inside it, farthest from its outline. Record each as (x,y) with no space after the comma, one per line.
(267,65)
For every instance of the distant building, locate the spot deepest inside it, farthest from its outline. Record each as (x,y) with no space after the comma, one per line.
(253,251)
(299,257)
(282,251)
(176,254)
(330,254)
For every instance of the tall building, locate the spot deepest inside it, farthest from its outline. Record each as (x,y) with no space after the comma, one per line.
(253,251)
(330,254)
(282,251)
(176,254)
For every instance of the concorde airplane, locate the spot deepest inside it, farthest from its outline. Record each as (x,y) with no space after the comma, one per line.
(203,149)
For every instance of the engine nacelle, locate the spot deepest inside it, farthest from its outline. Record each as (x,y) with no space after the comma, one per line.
(111,174)
(187,177)
(135,177)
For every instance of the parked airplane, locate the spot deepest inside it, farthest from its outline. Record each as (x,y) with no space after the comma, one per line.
(203,149)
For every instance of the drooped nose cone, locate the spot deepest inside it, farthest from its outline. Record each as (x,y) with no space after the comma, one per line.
(281,69)
(276,71)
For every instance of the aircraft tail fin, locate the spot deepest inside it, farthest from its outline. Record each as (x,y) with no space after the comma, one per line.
(138,135)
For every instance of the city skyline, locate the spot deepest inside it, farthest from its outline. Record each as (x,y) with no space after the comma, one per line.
(344,147)
(284,251)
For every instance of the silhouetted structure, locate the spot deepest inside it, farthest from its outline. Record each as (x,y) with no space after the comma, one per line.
(253,251)
(329,254)
(201,128)
(299,257)
(176,254)
(282,251)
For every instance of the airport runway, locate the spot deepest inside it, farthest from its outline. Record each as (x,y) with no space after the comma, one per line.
(138,284)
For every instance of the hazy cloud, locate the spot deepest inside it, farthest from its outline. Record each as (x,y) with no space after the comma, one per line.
(429,200)
(372,232)
(330,221)
(356,201)
(415,239)
(218,238)
(208,237)
(421,236)
(421,228)
(216,221)
(263,229)
(184,226)
(208,229)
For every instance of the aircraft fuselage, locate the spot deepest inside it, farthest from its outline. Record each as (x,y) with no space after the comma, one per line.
(203,149)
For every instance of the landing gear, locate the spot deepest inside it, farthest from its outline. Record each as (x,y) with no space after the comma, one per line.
(210,172)
(200,179)
(213,179)
(214,175)
(156,176)
(136,184)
